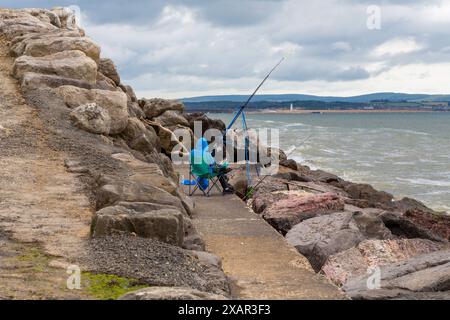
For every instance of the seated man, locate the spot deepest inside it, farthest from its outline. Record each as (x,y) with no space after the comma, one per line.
(201,156)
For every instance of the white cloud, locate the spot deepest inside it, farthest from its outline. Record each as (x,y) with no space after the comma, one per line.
(397,46)
(200,48)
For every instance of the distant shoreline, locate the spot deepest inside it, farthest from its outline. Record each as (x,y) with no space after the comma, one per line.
(339,111)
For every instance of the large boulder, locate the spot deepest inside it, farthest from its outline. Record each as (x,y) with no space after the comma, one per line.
(404,227)
(171,118)
(375,253)
(33,81)
(140,137)
(92,118)
(15,23)
(206,122)
(50,45)
(146,173)
(155,107)
(171,293)
(366,196)
(437,223)
(293,209)
(156,222)
(113,101)
(68,64)
(45,16)
(118,191)
(320,237)
(108,68)
(18,44)
(424,276)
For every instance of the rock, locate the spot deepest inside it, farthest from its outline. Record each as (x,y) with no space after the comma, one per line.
(105,82)
(15,23)
(146,173)
(165,225)
(403,227)
(115,102)
(410,204)
(206,122)
(67,17)
(322,176)
(171,118)
(367,193)
(374,253)
(192,239)
(437,224)
(91,118)
(18,44)
(289,163)
(44,15)
(139,137)
(135,111)
(128,90)
(108,68)
(424,276)
(33,81)
(67,64)
(239,182)
(320,237)
(49,45)
(167,142)
(111,194)
(170,293)
(155,107)
(293,209)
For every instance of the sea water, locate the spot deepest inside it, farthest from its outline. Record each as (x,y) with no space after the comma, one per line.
(406,154)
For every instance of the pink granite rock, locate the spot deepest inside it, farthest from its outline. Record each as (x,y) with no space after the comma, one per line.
(293,209)
(375,253)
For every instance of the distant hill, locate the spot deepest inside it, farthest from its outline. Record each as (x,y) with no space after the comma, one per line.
(387,96)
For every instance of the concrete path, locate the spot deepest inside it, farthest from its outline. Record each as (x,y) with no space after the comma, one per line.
(258,260)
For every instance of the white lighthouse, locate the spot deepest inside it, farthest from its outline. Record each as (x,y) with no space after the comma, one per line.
(292,107)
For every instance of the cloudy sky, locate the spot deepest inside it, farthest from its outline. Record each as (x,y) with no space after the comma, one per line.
(332,47)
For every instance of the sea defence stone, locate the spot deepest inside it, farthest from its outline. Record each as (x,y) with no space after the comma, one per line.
(366,196)
(49,45)
(293,209)
(424,276)
(438,224)
(115,102)
(404,227)
(320,237)
(139,137)
(14,23)
(172,118)
(155,107)
(163,224)
(375,253)
(171,293)
(206,122)
(68,64)
(108,68)
(91,118)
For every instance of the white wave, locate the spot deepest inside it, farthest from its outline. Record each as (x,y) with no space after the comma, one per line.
(426,182)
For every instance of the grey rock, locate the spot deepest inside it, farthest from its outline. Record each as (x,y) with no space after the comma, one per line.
(320,237)
(91,118)
(165,225)
(170,293)
(108,68)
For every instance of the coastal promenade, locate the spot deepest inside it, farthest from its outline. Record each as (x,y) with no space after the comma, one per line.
(256,258)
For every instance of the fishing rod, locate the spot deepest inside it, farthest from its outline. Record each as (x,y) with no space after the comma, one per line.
(252,189)
(251,97)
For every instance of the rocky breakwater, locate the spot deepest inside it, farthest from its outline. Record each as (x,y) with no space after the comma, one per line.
(372,246)
(141,225)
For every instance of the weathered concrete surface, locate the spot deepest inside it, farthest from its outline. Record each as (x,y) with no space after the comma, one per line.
(258,260)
